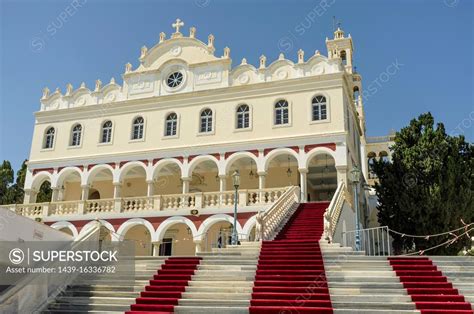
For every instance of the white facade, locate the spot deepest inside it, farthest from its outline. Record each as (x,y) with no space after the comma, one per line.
(167,141)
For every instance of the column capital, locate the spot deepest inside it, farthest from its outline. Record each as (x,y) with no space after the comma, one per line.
(85,186)
(222,176)
(303,170)
(188,179)
(150,181)
(118,184)
(262,173)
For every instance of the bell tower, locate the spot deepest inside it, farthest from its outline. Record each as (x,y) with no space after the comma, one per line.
(341,47)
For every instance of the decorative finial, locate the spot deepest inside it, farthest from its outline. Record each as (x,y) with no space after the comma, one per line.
(178,24)
(68,89)
(57,90)
(45,93)
(300,56)
(281,56)
(192,32)
(263,61)
(317,53)
(128,67)
(210,40)
(83,85)
(244,61)
(112,80)
(226,52)
(98,85)
(143,52)
(162,37)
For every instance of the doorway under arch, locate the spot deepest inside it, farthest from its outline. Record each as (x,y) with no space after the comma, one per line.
(321,178)
(141,237)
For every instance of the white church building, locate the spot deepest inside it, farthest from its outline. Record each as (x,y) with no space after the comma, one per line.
(153,158)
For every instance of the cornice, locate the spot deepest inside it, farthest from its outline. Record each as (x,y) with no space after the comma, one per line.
(257,90)
(205,148)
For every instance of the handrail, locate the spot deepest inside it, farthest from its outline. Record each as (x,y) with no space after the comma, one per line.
(270,220)
(333,212)
(374,241)
(11,292)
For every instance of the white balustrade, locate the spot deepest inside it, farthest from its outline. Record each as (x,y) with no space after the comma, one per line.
(64,208)
(333,212)
(131,204)
(31,210)
(225,199)
(99,206)
(176,201)
(282,209)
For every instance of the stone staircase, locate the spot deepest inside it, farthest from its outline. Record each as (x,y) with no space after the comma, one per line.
(368,284)
(363,284)
(106,293)
(460,272)
(223,282)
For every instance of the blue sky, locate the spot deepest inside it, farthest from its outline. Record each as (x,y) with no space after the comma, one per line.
(52,43)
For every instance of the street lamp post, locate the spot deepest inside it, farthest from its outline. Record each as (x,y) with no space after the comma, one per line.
(236,182)
(355,178)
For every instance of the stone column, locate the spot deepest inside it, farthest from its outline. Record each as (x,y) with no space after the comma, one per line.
(261,185)
(84,196)
(149,193)
(117,197)
(186,181)
(156,248)
(30,196)
(222,182)
(261,179)
(222,187)
(303,185)
(55,194)
(85,192)
(341,174)
(198,244)
(150,188)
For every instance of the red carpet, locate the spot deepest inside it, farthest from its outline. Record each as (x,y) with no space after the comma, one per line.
(166,286)
(290,274)
(431,292)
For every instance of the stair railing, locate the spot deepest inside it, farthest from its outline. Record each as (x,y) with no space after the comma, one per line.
(270,221)
(333,212)
(373,241)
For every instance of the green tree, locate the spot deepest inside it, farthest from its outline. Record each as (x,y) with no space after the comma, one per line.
(20,183)
(427,188)
(45,192)
(7,195)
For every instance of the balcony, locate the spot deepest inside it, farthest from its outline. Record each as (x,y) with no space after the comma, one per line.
(157,205)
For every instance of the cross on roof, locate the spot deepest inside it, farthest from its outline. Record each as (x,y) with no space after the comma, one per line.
(177,25)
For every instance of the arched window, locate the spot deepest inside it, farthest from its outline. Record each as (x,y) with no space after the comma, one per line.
(319,108)
(356,94)
(76,135)
(384,156)
(49,138)
(106,132)
(281,112)
(171,124)
(137,128)
(206,121)
(343,57)
(243,117)
(370,162)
